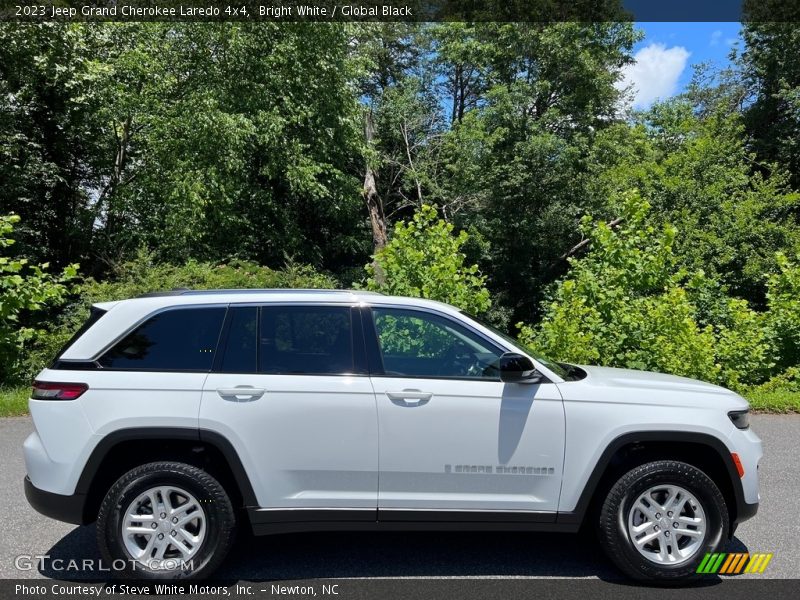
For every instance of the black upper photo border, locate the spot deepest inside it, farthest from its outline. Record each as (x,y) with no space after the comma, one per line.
(541,11)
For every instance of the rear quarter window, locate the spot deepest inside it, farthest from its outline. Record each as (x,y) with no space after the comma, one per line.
(179,339)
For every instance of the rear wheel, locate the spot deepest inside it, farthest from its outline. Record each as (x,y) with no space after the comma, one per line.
(660,519)
(165,520)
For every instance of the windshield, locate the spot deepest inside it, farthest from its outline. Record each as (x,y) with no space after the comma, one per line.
(550,364)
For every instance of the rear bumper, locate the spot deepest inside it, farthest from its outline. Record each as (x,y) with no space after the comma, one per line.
(69,509)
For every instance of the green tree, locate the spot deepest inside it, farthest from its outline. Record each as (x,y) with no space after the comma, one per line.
(517,159)
(771,70)
(197,140)
(699,174)
(48,135)
(424,260)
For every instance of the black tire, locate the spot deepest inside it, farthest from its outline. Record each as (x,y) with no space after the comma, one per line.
(616,540)
(219,514)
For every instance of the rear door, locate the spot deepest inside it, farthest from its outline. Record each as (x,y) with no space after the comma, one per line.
(290,390)
(453,437)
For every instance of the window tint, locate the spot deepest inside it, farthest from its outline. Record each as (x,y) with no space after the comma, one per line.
(314,340)
(176,340)
(240,354)
(420,344)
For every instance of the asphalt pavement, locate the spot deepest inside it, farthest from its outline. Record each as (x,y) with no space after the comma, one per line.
(776,529)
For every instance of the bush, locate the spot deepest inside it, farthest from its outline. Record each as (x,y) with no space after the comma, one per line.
(783,300)
(628,304)
(143,275)
(424,260)
(24,289)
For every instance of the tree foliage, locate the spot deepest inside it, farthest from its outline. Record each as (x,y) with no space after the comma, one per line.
(25,288)
(424,260)
(501,153)
(628,303)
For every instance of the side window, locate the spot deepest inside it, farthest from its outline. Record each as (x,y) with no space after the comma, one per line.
(182,339)
(420,344)
(306,340)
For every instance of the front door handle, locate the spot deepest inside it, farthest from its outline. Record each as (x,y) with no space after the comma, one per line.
(241,393)
(409,397)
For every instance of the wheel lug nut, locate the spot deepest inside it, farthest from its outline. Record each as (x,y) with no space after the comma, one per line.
(666,533)
(658,515)
(154,526)
(161,536)
(174,519)
(656,528)
(173,533)
(163,515)
(669,514)
(675,525)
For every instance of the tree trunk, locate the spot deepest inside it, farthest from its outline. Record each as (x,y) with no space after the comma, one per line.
(377,219)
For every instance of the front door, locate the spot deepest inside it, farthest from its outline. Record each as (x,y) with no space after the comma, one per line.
(290,391)
(453,437)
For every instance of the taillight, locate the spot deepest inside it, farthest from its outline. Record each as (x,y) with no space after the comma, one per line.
(46,390)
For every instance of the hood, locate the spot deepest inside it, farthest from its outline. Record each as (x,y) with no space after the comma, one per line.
(646,380)
(627,386)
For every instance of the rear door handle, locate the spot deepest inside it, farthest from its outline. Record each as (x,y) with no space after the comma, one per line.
(241,393)
(409,397)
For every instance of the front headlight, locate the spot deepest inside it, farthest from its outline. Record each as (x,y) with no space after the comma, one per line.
(740,418)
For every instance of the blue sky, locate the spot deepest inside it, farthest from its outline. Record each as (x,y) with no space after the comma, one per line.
(665,56)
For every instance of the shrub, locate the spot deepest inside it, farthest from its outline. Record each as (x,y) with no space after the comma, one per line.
(783,300)
(628,304)
(424,260)
(24,289)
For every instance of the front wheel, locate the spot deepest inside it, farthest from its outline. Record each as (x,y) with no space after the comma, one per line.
(660,519)
(165,520)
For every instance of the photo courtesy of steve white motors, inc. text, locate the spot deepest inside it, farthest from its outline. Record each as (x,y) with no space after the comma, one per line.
(161,589)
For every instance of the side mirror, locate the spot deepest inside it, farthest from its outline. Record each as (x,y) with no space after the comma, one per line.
(516,368)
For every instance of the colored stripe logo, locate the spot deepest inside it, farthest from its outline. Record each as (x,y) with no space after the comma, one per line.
(731,563)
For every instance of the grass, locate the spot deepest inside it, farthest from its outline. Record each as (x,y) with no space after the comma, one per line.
(14,401)
(774,401)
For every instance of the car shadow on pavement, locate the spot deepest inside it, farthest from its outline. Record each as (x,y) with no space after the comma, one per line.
(378,554)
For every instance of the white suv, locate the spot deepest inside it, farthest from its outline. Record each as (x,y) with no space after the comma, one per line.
(173,418)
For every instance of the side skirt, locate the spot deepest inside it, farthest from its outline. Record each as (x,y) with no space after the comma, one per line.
(265,521)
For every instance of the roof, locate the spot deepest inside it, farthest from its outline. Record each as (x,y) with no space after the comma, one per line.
(190,292)
(185,297)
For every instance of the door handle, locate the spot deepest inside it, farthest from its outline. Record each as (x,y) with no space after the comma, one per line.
(410,397)
(241,393)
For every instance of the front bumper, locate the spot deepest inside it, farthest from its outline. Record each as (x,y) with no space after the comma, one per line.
(69,509)
(746,511)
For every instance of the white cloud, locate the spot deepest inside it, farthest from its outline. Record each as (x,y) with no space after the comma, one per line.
(654,74)
(715,37)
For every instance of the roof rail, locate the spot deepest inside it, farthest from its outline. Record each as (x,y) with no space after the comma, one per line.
(190,292)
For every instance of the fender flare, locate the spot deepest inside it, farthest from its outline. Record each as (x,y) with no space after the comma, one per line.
(206,436)
(742,509)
